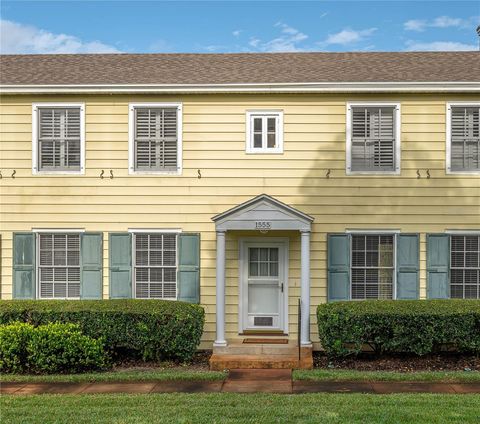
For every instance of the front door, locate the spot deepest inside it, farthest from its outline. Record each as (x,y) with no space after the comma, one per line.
(264,286)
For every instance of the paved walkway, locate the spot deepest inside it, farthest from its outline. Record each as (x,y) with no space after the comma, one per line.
(240,381)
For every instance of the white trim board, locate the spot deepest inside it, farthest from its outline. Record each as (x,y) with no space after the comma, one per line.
(302,87)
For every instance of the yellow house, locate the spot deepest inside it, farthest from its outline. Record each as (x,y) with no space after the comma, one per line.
(259,185)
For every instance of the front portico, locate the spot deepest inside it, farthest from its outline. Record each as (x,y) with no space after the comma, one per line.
(263,266)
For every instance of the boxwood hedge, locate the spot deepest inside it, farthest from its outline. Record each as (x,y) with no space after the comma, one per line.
(130,328)
(400,326)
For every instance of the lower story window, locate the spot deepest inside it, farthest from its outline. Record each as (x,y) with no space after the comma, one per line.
(155,265)
(372,266)
(465,266)
(59,266)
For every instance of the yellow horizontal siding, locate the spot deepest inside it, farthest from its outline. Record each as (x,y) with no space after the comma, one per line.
(214,144)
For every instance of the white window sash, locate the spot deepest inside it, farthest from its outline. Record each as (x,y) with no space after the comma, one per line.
(397,132)
(448,137)
(131,138)
(264,115)
(35,139)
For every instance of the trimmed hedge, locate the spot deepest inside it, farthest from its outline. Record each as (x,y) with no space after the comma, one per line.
(50,348)
(130,328)
(400,326)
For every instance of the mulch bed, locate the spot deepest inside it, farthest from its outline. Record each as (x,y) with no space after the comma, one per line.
(400,363)
(198,363)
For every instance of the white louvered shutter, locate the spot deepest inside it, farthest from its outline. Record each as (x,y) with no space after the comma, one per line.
(373,139)
(156,139)
(59,139)
(465,139)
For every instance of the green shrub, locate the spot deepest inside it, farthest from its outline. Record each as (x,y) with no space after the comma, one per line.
(13,347)
(147,329)
(50,348)
(400,326)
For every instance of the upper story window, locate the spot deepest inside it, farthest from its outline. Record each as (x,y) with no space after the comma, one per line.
(155,138)
(264,132)
(155,265)
(58,138)
(59,266)
(373,138)
(463,138)
(372,266)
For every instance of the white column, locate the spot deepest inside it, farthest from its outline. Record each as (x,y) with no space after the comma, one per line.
(220,283)
(305,289)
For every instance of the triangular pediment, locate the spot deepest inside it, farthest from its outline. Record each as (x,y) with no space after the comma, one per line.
(263,213)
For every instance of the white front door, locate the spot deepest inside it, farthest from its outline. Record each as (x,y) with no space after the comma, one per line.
(263,276)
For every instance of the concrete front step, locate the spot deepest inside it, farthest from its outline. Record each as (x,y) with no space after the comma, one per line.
(219,362)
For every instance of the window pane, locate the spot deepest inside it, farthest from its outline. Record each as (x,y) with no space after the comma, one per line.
(465,267)
(155,265)
(271,140)
(372,266)
(257,125)
(271,123)
(465,138)
(257,141)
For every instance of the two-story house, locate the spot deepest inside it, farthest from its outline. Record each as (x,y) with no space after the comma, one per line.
(244,182)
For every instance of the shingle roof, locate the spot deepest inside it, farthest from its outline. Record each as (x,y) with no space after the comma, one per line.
(239,68)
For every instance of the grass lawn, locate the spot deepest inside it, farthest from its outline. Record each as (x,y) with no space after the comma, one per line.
(352,375)
(118,376)
(241,408)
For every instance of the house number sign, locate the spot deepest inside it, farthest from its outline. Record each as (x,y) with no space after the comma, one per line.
(263,225)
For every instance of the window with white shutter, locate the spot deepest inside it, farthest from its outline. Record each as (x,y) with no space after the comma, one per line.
(58,138)
(373,141)
(372,266)
(155,265)
(155,138)
(264,132)
(465,266)
(463,138)
(59,266)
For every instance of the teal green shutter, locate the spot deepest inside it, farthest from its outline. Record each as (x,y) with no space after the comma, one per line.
(24,266)
(338,251)
(438,264)
(120,253)
(189,267)
(407,266)
(91,245)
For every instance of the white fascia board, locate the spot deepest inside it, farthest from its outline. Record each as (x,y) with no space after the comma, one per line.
(325,87)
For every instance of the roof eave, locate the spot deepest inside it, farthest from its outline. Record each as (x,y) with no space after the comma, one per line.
(317,87)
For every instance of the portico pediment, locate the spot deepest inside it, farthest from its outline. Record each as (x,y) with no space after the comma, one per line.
(263,213)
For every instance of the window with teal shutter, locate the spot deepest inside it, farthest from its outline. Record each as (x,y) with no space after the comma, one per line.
(24,266)
(338,251)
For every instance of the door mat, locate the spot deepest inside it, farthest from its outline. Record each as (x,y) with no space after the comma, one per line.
(265,341)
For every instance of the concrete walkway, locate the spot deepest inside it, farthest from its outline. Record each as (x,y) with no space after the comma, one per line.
(240,381)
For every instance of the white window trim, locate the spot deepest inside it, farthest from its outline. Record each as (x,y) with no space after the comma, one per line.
(248,134)
(37,258)
(448,137)
(394,233)
(134,231)
(131,138)
(35,170)
(398,133)
(463,232)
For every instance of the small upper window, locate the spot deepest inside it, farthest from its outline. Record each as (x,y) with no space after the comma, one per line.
(264,132)
(373,143)
(58,138)
(463,139)
(155,142)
